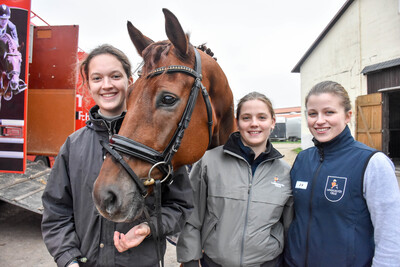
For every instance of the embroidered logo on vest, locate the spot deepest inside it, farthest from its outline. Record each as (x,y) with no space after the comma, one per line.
(335,188)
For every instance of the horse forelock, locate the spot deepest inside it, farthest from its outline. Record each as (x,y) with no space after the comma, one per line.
(156,53)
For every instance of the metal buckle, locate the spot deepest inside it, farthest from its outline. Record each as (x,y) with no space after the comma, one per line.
(150,180)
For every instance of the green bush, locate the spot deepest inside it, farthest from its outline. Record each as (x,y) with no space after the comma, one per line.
(297,150)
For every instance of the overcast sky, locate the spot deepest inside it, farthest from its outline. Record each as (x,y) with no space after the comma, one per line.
(257,42)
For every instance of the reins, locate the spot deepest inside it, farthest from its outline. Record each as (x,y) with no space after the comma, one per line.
(162,161)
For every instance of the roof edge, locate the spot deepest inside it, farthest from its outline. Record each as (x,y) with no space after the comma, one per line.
(381,66)
(341,11)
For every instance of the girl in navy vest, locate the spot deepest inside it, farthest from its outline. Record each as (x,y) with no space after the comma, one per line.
(346,196)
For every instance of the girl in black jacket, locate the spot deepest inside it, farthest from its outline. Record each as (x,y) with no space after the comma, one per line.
(73,230)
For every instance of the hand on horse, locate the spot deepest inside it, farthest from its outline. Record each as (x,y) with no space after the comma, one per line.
(132,238)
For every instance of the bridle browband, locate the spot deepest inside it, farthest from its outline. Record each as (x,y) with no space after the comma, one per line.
(120,144)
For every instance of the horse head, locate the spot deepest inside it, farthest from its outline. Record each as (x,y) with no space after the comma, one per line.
(169,82)
(11,60)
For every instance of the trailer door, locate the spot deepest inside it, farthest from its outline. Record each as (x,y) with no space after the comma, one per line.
(51,89)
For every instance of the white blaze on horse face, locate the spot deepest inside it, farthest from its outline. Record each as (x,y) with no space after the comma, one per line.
(108,84)
(255,124)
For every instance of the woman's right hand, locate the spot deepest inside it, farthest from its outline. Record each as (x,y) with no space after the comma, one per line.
(132,238)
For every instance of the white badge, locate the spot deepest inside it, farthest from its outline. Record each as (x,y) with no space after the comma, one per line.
(301,185)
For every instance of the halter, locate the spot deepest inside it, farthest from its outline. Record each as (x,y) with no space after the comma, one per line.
(120,144)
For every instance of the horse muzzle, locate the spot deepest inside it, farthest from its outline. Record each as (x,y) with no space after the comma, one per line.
(117,197)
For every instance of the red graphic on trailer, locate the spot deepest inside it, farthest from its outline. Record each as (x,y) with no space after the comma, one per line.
(14,40)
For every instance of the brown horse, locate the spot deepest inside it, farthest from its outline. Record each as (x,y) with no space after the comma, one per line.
(163,95)
(10,66)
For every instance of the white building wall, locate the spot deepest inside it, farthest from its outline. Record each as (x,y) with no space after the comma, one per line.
(367,33)
(380,31)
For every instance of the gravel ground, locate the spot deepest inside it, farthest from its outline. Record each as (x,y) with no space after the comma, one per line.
(21,243)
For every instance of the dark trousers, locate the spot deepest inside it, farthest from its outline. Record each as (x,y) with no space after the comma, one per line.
(277,262)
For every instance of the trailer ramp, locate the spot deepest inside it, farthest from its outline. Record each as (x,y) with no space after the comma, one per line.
(25,190)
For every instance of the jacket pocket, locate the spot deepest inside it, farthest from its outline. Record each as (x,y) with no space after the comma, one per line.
(209,225)
(277,233)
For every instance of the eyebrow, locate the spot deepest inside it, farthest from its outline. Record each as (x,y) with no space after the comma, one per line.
(261,113)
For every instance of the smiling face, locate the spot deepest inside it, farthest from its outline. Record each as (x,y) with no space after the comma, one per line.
(326,116)
(255,124)
(108,84)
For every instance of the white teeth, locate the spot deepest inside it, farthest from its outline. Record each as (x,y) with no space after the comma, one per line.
(321,129)
(108,95)
(254,132)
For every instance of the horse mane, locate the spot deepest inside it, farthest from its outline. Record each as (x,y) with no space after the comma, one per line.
(206,50)
(7,39)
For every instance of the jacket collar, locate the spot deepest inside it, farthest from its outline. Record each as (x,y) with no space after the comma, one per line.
(98,123)
(344,139)
(236,146)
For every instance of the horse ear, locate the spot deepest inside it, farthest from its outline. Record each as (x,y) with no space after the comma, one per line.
(175,32)
(138,39)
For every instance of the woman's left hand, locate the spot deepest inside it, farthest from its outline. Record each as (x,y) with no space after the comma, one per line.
(131,239)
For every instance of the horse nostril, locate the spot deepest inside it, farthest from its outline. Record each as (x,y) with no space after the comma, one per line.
(110,202)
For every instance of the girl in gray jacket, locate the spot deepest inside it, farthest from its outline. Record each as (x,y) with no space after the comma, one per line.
(242,195)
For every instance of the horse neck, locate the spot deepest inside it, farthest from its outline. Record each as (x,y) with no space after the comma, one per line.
(220,92)
(219,85)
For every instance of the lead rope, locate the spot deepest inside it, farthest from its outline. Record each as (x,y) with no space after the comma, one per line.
(156,233)
(157,193)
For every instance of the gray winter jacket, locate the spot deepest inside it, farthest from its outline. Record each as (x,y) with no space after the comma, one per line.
(239,219)
(71,225)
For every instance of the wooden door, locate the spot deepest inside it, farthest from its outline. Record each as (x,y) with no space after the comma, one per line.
(369,120)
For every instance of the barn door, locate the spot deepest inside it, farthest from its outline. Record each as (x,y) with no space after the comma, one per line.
(369,120)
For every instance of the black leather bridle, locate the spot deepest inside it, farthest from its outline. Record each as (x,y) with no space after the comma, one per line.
(120,144)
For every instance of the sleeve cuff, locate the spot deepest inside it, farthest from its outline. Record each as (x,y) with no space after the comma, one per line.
(67,257)
(193,263)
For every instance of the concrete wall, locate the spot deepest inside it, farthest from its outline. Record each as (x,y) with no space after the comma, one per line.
(367,33)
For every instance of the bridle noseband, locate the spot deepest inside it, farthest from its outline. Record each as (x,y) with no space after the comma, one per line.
(120,144)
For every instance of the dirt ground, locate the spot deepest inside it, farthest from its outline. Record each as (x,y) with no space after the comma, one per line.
(286,150)
(21,242)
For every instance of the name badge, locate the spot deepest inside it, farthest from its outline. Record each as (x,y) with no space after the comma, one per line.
(301,185)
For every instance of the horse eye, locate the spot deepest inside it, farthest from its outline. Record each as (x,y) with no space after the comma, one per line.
(168,100)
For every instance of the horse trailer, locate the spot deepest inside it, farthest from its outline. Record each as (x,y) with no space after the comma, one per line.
(56,107)
(286,129)
(293,129)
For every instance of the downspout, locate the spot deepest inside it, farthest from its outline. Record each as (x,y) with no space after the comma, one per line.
(360,49)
